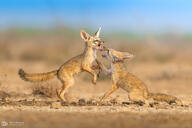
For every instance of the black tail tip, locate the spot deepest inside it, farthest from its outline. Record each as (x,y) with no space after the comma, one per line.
(21,72)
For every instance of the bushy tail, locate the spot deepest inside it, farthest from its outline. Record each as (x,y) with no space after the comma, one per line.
(164,97)
(37,77)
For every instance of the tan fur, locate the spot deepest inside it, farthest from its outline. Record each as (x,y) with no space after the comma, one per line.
(37,77)
(75,65)
(137,90)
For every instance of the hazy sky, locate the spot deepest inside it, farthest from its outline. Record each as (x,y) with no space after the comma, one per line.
(136,15)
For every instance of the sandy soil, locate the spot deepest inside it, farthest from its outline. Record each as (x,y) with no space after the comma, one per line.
(31,105)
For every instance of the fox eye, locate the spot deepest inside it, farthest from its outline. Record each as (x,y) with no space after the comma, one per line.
(96,41)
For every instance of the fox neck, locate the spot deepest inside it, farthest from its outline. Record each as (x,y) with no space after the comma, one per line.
(116,71)
(90,51)
(117,68)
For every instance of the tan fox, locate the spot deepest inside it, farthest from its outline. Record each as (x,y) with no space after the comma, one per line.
(65,73)
(137,90)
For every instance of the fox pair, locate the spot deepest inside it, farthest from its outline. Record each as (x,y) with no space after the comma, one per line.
(137,90)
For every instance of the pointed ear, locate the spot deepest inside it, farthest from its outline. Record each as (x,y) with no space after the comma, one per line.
(85,36)
(127,55)
(98,32)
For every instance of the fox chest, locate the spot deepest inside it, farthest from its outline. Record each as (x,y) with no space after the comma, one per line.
(90,58)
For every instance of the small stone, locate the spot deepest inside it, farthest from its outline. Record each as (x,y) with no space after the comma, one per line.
(56,105)
(151,105)
(171,102)
(82,102)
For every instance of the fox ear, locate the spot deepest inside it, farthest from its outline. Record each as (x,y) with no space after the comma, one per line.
(98,32)
(85,36)
(127,55)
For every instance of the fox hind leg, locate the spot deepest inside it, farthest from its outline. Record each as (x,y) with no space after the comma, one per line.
(137,96)
(62,91)
(58,92)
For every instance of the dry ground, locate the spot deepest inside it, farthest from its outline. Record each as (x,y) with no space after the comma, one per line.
(163,68)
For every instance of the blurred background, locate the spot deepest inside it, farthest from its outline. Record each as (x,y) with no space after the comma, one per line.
(40,35)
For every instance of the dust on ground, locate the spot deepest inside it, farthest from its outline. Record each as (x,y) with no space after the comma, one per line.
(168,70)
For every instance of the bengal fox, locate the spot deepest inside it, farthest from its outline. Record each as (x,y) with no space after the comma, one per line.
(137,90)
(77,64)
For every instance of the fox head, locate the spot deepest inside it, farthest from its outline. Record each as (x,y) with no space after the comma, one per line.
(92,41)
(116,56)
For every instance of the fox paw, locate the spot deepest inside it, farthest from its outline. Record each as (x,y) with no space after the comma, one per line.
(94,82)
(94,79)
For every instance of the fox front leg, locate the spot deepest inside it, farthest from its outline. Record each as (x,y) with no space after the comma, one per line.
(114,88)
(89,70)
(97,67)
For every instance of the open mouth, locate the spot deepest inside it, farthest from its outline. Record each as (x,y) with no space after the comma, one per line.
(99,47)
